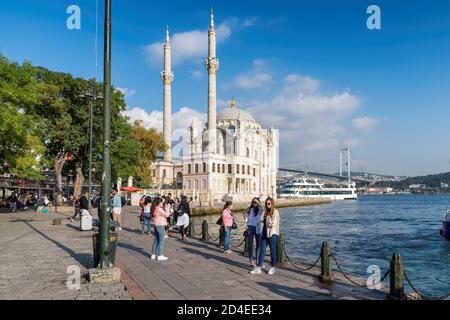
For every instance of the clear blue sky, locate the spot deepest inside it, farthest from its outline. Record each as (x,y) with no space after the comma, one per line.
(310,68)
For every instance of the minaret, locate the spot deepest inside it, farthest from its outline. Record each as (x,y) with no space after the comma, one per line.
(212,65)
(167,78)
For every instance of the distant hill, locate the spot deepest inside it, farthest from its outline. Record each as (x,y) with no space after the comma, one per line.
(432,181)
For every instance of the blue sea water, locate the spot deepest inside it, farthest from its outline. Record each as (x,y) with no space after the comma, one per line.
(368,231)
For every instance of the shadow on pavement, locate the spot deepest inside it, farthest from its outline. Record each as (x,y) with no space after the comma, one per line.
(84,259)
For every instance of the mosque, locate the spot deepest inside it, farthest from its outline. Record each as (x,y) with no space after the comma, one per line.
(232,158)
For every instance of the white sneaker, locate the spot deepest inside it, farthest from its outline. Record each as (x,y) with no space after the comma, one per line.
(271,271)
(162,258)
(228,251)
(153,257)
(256,270)
(166,237)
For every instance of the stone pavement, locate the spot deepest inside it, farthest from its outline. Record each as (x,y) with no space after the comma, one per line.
(199,270)
(34,256)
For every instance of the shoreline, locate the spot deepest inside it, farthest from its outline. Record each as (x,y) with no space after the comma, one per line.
(281,203)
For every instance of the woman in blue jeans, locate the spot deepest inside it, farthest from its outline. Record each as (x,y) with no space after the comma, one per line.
(253,216)
(159,222)
(270,234)
(227,223)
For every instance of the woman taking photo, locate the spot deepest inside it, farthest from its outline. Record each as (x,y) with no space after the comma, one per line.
(253,217)
(270,234)
(146,207)
(159,217)
(227,223)
(183,212)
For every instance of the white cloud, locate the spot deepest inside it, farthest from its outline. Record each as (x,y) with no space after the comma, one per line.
(197,74)
(256,77)
(365,124)
(311,120)
(154,119)
(126,92)
(252,81)
(191,45)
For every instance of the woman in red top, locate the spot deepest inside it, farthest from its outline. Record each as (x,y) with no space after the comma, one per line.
(227,223)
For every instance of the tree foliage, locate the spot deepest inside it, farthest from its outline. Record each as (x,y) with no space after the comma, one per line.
(151,142)
(44,118)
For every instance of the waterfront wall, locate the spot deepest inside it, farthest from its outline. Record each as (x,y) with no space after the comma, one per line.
(279,203)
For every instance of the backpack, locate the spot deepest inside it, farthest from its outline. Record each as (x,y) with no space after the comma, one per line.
(124,201)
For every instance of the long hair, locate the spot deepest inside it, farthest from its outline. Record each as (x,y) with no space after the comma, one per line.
(147,200)
(255,213)
(227,204)
(184,201)
(267,211)
(155,203)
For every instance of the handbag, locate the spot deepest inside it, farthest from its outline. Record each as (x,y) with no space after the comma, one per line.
(234,226)
(219,222)
(245,234)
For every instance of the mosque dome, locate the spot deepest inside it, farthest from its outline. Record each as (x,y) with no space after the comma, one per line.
(234,113)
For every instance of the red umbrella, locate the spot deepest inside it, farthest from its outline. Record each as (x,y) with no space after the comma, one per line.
(130,189)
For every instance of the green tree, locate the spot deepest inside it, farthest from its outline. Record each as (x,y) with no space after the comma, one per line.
(151,142)
(21,150)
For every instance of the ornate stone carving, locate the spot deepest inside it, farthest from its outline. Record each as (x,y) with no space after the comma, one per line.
(212,65)
(167,77)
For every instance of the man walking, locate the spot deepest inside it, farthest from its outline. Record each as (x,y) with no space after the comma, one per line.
(116,203)
(83,205)
(12,202)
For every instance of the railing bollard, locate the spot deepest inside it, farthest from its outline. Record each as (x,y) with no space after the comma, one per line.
(205,233)
(325,265)
(396,288)
(281,257)
(221,236)
(245,252)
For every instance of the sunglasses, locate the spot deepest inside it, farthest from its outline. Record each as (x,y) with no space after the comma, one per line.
(268,204)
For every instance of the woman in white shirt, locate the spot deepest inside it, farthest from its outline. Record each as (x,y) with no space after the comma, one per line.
(270,234)
(253,217)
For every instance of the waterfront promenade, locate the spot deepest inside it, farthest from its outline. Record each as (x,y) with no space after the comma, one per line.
(35,255)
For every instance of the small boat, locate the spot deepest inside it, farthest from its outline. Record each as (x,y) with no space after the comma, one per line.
(446,225)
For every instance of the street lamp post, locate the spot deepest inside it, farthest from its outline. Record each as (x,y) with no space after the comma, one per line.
(105,243)
(91,98)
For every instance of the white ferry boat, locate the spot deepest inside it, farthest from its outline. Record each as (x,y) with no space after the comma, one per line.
(312,188)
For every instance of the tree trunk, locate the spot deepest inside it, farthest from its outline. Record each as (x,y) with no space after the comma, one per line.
(79,180)
(60,160)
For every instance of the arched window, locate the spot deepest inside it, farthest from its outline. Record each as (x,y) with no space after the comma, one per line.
(204,184)
(204,167)
(237,168)
(248,153)
(164,173)
(230,169)
(196,184)
(248,170)
(243,169)
(213,167)
(196,168)
(223,168)
(189,168)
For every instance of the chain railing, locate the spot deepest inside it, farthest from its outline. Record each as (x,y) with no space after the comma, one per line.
(396,266)
(347,276)
(422,296)
(295,265)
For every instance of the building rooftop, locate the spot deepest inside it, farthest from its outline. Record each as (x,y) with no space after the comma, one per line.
(234,113)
